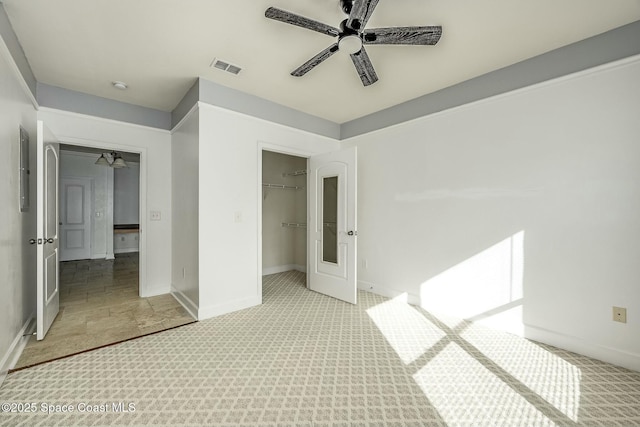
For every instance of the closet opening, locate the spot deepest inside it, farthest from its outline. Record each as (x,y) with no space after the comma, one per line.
(284,217)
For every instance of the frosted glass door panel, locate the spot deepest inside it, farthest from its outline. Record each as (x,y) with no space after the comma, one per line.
(330,219)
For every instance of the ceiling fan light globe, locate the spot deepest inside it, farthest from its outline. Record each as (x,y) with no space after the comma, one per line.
(350,44)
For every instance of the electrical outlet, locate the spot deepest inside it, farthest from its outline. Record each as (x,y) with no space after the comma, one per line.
(156,216)
(365,264)
(620,314)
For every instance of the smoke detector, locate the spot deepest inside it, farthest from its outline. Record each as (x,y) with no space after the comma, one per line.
(119,85)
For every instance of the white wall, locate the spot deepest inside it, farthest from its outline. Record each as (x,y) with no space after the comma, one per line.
(230,189)
(283,248)
(78,165)
(524,204)
(155,166)
(184,188)
(17,271)
(126,194)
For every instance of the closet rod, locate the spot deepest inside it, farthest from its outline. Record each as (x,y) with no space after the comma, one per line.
(294,224)
(281,186)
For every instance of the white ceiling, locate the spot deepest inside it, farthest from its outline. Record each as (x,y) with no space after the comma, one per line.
(159,47)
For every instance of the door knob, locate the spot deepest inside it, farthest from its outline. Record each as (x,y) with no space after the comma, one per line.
(32,241)
(49,240)
(352,233)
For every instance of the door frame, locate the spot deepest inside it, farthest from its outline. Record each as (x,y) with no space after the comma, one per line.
(282,149)
(142,151)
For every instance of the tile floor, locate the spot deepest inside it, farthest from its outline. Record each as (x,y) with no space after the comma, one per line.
(99,305)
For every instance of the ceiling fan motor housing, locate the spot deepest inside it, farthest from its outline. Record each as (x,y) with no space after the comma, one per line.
(346,30)
(346,6)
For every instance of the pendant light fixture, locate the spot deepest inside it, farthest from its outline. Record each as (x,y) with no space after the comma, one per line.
(118,161)
(112,159)
(102,161)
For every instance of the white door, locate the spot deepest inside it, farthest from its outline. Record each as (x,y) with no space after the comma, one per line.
(332,224)
(75,218)
(47,226)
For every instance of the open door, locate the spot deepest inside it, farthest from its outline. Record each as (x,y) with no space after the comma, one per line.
(332,224)
(47,226)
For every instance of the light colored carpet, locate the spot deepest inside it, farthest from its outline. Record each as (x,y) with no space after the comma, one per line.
(304,359)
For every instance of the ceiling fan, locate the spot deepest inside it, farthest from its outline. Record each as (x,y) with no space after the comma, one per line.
(352,36)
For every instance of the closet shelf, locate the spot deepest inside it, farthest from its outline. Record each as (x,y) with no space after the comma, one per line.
(295,173)
(304,224)
(283,187)
(294,224)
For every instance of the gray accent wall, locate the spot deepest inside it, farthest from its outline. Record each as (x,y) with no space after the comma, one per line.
(78,102)
(234,100)
(15,49)
(613,45)
(186,104)
(241,102)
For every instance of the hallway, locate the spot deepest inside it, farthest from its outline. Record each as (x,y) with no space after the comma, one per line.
(99,305)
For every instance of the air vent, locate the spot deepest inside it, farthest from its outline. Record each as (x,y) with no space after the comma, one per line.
(225,66)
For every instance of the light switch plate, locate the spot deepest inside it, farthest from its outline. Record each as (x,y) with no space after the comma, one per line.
(156,216)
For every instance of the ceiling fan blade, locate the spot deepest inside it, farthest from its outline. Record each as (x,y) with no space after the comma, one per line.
(360,13)
(403,35)
(300,21)
(316,60)
(364,67)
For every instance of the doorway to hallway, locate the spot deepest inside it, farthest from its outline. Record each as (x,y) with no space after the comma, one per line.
(99,306)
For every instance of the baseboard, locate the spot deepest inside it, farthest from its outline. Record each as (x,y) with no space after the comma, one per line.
(99,256)
(388,292)
(185,301)
(580,346)
(154,292)
(220,309)
(10,358)
(125,250)
(282,268)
